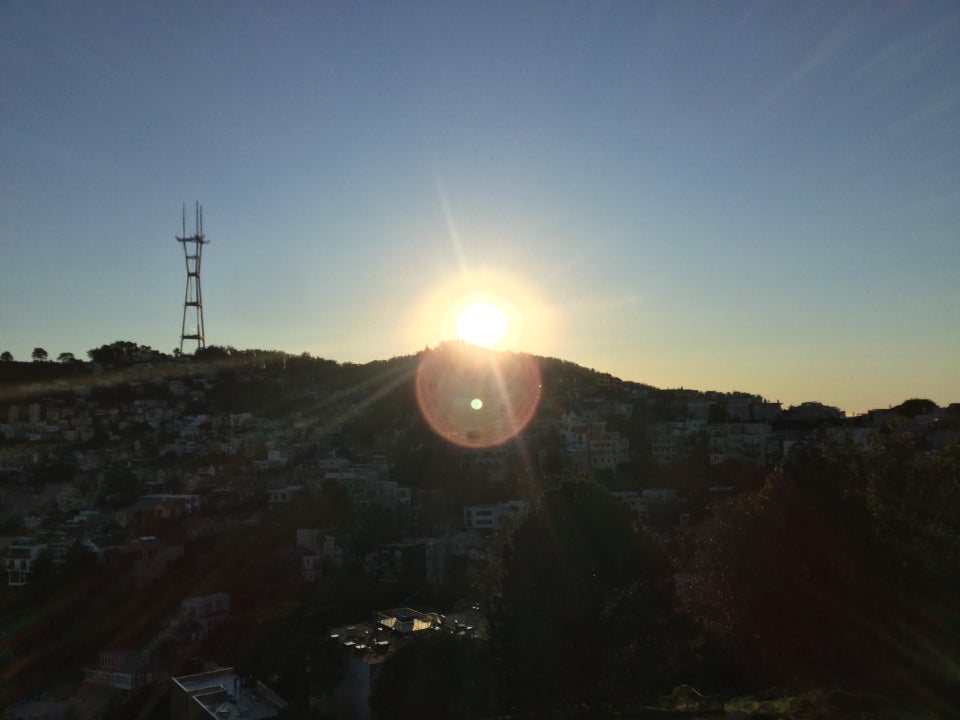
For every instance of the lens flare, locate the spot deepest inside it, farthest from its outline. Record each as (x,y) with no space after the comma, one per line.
(477,398)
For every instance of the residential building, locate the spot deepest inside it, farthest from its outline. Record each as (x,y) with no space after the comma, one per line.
(124,670)
(20,559)
(493,516)
(747,442)
(222,694)
(488,463)
(367,485)
(207,610)
(283,495)
(167,507)
(23,553)
(659,496)
(607,449)
(403,561)
(311,564)
(635,502)
(147,557)
(407,621)
(439,553)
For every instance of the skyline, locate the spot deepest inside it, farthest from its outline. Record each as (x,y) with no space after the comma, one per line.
(735,197)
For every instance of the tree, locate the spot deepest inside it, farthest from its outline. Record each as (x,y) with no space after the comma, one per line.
(212,353)
(120,352)
(438,676)
(119,487)
(65,358)
(578,617)
(915,406)
(375,525)
(799,580)
(39,354)
(330,506)
(6,356)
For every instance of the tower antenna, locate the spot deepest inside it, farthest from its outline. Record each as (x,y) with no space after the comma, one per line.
(193,296)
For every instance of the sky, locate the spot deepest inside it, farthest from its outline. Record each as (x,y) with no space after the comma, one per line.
(738,196)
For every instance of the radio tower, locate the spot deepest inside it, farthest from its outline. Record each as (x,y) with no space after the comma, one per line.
(193,297)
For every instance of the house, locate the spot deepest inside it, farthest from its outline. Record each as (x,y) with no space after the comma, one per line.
(314,547)
(407,621)
(207,610)
(746,442)
(659,496)
(311,564)
(147,557)
(23,553)
(21,556)
(368,485)
(283,495)
(493,516)
(440,553)
(124,670)
(672,441)
(607,449)
(167,507)
(403,561)
(488,463)
(222,694)
(635,502)
(310,538)
(334,550)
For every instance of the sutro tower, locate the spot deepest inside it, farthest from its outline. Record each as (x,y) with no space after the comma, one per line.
(193,297)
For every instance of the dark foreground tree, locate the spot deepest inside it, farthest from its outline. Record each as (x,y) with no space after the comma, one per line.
(438,676)
(39,354)
(842,569)
(579,618)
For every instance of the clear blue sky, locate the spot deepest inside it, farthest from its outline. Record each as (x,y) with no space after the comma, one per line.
(717,195)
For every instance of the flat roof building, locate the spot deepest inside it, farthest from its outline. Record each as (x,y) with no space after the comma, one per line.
(222,694)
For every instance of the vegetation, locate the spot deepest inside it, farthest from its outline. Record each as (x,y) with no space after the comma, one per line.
(839,570)
(440,676)
(833,578)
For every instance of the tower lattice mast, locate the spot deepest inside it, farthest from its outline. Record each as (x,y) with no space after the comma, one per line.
(193,296)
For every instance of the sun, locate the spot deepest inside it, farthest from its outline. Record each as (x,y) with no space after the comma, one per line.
(482,324)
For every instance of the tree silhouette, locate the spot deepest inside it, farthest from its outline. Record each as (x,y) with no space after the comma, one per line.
(6,356)
(577,612)
(799,580)
(437,676)
(65,357)
(119,352)
(39,354)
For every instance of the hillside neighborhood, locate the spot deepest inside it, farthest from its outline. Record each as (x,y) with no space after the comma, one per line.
(206,500)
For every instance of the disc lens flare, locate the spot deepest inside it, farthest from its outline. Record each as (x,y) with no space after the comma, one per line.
(477,398)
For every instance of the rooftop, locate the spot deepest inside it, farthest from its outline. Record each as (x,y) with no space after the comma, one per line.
(224,694)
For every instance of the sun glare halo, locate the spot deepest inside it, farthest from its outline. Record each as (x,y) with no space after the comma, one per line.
(482,324)
(437,317)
